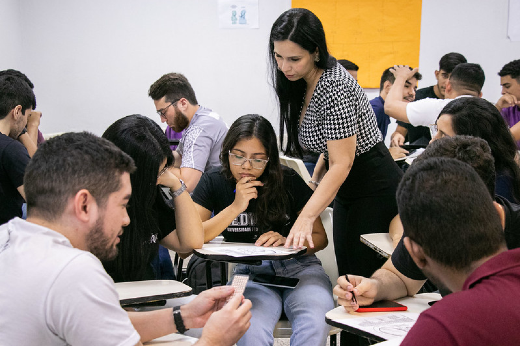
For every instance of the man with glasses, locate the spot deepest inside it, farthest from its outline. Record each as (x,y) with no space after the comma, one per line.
(466,80)
(199,147)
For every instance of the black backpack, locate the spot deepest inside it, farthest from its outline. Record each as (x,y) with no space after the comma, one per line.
(196,274)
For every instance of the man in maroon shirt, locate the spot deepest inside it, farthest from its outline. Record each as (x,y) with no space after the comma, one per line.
(454,235)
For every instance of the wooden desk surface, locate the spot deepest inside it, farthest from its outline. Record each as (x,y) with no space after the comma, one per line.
(379,242)
(136,292)
(338,317)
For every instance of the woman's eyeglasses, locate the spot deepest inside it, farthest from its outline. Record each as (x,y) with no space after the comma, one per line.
(239,160)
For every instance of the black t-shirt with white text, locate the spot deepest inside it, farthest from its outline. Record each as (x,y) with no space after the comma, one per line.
(215,192)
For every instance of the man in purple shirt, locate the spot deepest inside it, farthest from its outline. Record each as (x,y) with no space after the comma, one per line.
(459,244)
(509,103)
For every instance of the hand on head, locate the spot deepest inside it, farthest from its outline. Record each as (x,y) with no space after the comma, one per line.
(34,119)
(167,178)
(403,71)
(365,290)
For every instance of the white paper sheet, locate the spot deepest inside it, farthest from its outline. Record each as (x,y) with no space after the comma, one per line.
(244,251)
(386,326)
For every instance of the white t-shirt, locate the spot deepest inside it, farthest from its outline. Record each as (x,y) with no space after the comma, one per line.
(54,294)
(426,111)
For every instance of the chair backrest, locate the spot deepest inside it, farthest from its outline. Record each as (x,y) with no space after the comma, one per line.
(297,165)
(327,256)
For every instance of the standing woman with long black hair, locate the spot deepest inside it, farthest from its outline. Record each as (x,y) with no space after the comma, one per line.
(323,109)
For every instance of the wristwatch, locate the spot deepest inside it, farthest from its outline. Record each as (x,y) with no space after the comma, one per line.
(177,318)
(179,190)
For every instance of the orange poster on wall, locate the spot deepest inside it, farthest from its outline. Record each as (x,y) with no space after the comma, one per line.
(374,34)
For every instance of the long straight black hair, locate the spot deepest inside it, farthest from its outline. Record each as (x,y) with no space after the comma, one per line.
(302,27)
(473,116)
(271,204)
(144,141)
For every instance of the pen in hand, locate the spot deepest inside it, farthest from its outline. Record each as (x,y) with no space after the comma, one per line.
(353,295)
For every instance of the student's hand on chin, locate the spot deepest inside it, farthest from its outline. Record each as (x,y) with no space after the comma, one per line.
(270,238)
(245,191)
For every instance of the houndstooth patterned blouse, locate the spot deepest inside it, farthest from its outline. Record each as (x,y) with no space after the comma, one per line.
(338,109)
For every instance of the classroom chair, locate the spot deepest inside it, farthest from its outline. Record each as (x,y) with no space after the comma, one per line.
(297,165)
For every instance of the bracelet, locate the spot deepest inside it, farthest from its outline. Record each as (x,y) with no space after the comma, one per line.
(177,318)
(314,182)
(179,190)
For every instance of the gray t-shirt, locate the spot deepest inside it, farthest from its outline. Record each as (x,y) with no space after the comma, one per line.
(201,142)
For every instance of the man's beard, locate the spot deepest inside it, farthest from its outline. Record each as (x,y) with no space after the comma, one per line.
(99,244)
(437,282)
(180,122)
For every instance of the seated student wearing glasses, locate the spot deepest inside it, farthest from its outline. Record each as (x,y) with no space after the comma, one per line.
(256,200)
(477,117)
(202,129)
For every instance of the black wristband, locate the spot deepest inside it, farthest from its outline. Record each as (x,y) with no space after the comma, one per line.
(177,318)
(24,131)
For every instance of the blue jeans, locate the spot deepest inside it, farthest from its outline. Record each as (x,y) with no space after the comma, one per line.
(305,305)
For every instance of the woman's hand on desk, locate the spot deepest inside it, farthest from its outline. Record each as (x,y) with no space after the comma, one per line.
(246,191)
(364,288)
(270,238)
(300,232)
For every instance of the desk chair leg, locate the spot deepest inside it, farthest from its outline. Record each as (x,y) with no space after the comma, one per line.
(177,267)
(223,274)
(209,279)
(333,340)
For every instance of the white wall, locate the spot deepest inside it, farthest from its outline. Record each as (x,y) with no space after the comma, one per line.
(475,28)
(93,61)
(10,35)
(96,59)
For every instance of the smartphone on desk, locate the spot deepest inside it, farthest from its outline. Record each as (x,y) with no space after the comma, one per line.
(276,281)
(383,306)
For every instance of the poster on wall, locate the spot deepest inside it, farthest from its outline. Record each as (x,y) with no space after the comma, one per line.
(513,26)
(374,34)
(238,14)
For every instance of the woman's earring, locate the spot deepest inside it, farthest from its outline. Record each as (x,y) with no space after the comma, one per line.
(317,58)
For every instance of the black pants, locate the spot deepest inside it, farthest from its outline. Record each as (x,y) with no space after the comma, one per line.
(364,204)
